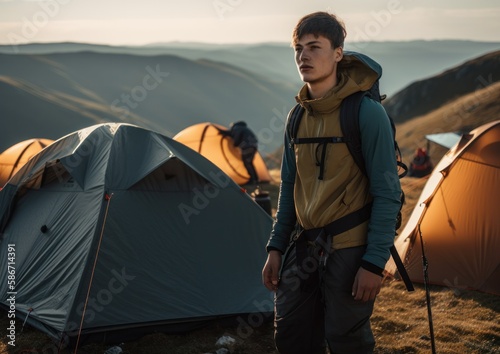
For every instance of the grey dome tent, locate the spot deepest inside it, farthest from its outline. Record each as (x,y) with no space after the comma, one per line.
(118,230)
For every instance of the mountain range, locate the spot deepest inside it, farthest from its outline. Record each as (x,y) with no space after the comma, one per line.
(403,61)
(50,90)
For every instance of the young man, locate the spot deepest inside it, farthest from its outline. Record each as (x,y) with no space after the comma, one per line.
(327,284)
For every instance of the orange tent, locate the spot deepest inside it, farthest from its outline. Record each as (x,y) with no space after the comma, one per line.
(458,218)
(220,150)
(12,159)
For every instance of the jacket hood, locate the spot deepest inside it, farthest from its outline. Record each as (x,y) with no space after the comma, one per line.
(356,62)
(356,72)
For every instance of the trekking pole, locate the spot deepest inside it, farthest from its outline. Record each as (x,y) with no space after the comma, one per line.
(427,291)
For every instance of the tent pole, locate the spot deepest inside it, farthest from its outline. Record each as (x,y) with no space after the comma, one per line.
(427,291)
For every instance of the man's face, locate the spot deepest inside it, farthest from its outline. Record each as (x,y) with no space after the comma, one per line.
(316,60)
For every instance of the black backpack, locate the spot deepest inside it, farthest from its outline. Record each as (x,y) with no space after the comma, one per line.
(352,138)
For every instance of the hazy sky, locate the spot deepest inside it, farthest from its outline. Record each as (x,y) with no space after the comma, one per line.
(240,21)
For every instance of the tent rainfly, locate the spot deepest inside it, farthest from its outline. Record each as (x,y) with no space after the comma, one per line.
(118,231)
(206,140)
(12,159)
(457,213)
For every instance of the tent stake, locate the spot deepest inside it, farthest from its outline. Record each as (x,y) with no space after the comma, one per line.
(427,291)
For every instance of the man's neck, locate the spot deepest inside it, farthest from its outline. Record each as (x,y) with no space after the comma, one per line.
(319,89)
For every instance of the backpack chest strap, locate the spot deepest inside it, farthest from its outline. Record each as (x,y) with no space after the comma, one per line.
(322,143)
(318,140)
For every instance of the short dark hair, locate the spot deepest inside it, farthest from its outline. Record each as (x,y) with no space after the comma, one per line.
(321,24)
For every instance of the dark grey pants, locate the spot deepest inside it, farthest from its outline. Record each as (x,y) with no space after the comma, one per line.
(313,305)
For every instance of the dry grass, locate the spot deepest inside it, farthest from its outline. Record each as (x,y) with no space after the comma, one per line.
(464,322)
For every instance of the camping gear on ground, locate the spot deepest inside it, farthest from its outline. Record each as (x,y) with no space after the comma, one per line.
(262,198)
(13,158)
(246,140)
(206,139)
(120,231)
(457,213)
(447,140)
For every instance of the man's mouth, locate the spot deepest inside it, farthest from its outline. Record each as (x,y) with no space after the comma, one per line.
(305,67)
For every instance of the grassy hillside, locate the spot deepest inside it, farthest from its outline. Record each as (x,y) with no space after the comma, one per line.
(463,114)
(165,93)
(31,111)
(427,95)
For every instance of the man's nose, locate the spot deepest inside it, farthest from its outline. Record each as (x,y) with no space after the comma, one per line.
(304,55)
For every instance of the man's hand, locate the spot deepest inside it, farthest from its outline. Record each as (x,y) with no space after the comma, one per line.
(271,270)
(366,285)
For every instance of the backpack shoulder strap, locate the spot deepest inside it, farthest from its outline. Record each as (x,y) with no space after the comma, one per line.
(349,124)
(293,122)
(350,128)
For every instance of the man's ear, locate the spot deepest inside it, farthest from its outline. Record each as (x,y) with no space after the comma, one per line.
(338,53)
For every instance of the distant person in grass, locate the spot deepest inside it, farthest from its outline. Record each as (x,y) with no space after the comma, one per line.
(421,164)
(327,285)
